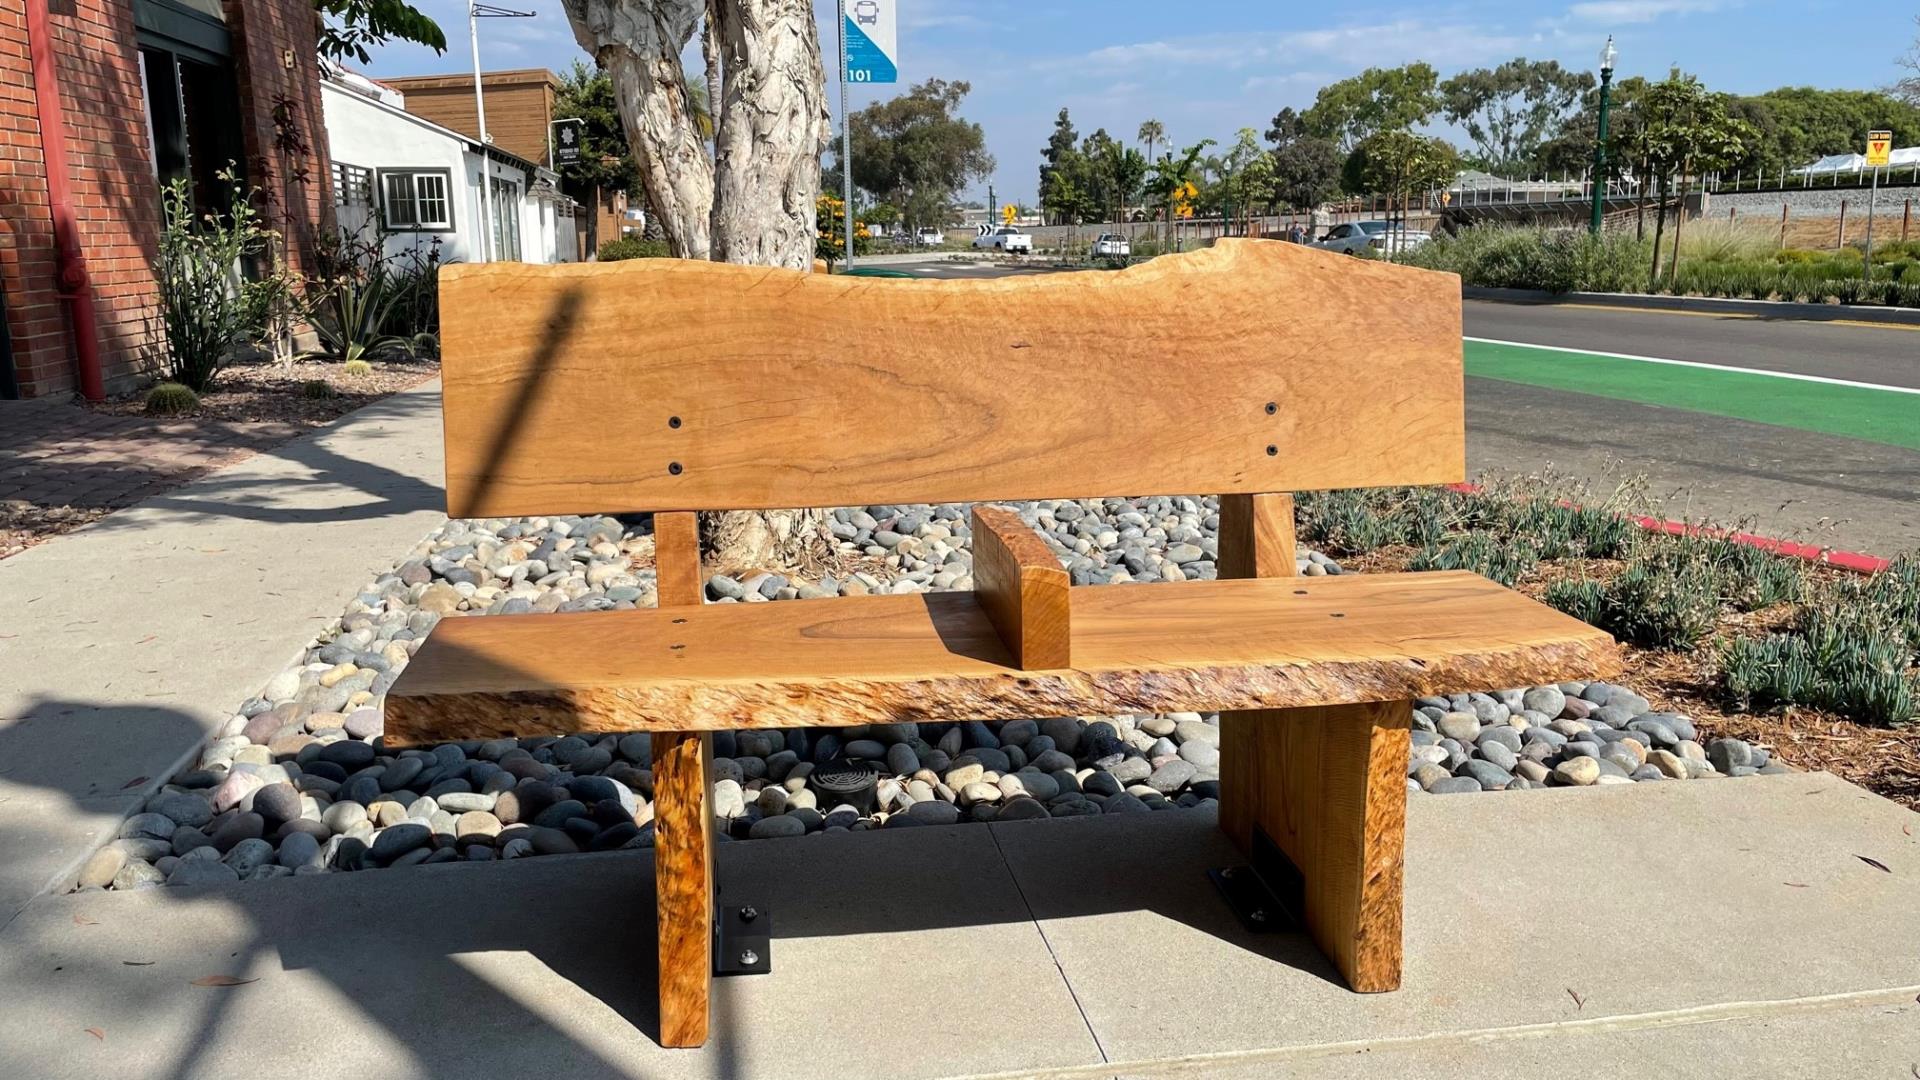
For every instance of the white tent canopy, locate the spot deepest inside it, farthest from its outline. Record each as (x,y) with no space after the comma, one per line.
(1906,157)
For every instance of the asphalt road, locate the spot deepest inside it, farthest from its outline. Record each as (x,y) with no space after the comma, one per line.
(1777,480)
(1887,356)
(940,267)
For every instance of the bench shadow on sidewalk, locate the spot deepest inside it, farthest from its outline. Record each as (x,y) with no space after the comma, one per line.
(393,941)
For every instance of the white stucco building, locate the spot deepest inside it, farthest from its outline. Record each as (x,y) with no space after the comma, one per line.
(414,182)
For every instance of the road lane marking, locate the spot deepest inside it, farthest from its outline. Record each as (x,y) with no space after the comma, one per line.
(1793,375)
(1634,310)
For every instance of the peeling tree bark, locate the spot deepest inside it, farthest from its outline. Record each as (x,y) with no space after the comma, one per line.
(772,126)
(753,202)
(639,45)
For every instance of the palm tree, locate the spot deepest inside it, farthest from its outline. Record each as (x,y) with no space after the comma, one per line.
(1123,170)
(1152,132)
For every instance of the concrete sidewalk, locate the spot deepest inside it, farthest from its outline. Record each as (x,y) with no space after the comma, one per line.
(123,645)
(1704,929)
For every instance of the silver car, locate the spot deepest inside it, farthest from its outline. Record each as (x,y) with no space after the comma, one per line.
(1378,237)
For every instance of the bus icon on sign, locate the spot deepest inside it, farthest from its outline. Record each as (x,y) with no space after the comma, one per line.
(866,13)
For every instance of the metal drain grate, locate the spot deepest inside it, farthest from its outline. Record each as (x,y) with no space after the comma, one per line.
(847,782)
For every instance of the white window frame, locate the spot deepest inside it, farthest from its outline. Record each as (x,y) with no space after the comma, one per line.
(411,179)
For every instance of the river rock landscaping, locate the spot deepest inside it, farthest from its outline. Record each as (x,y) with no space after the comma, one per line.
(299,782)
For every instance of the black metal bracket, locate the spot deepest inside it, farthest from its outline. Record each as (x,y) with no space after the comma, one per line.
(743,941)
(1268,894)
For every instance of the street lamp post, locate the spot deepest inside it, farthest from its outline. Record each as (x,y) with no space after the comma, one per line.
(1607,57)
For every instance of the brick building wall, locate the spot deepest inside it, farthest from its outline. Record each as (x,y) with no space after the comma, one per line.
(114,191)
(114,199)
(277,64)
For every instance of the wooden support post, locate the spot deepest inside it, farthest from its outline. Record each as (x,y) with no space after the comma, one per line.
(1783,226)
(1906,219)
(1022,587)
(683,883)
(676,558)
(1842,240)
(1328,785)
(682,821)
(1333,796)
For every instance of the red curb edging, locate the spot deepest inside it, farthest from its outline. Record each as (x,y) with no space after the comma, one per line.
(1858,562)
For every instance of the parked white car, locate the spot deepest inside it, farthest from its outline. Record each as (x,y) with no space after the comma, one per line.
(1380,237)
(1111,245)
(1006,238)
(930,238)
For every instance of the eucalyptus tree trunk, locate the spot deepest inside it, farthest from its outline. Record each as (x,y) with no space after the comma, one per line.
(769,130)
(772,125)
(752,202)
(638,43)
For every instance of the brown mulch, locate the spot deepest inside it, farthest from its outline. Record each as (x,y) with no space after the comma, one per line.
(264,392)
(22,524)
(1885,761)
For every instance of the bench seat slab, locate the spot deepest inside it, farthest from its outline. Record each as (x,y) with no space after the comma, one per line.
(1232,644)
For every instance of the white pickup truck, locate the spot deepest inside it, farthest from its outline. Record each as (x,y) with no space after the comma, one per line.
(1005,238)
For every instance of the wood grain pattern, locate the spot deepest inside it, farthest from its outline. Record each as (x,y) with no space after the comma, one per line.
(676,559)
(1256,541)
(725,386)
(1022,587)
(682,820)
(1326,783)
(880,659)
(1334,798)
(1256,535)
(683,883)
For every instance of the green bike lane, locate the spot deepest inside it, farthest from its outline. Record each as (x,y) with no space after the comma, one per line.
(1874,413)
(1800,456)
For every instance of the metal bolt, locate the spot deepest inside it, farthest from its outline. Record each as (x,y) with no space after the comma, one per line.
(748,914)
(748,958)
(1226,874)
(1258,915)
(1272,450)
(673,467)
(1272,407)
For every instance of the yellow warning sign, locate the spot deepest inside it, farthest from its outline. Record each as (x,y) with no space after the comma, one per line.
(1879,149)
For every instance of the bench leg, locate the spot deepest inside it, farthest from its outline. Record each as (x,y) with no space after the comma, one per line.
(1328,785)
(683,883)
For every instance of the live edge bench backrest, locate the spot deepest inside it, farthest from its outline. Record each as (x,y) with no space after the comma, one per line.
(659,384)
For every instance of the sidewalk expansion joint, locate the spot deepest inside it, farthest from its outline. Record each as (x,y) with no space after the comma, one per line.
(1051,954)
(1200,1065)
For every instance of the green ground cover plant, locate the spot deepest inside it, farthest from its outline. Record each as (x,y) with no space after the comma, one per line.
(1717,259)
(1767,632)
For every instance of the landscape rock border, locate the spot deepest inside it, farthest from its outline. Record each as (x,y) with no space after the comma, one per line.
(299,781)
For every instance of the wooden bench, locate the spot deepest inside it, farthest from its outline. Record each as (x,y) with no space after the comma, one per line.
(1252,369)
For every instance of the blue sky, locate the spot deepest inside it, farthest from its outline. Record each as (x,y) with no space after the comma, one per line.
(1204,70)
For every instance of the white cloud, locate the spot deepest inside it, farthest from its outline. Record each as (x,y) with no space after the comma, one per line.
(1638,11)
(1375,45)
(1257,84)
